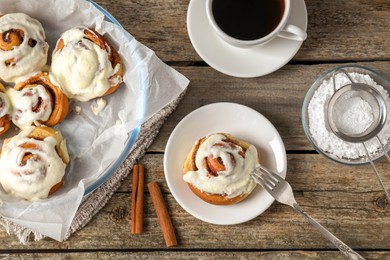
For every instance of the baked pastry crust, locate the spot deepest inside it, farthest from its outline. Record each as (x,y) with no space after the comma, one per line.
(18,178)
(23,46)
(5,121)
(71,43)
(213,165)
(59,101)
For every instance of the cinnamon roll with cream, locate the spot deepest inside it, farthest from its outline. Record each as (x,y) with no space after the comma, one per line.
(33,163)
(218,169)
(86,65)
(23,46)
(36,101)
(5,109)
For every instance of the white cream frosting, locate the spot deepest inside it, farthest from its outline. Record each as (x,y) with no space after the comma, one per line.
(23,102)
(33,180)
(5,105)
(26,58)
(82,68)
(99,106)
(235,180)
(78,109)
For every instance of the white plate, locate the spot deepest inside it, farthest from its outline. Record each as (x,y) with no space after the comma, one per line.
(242,122)
(242,62)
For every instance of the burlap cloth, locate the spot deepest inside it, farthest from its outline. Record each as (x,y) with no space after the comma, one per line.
(95,201)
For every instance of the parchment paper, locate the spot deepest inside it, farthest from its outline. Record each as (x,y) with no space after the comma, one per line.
(94,141)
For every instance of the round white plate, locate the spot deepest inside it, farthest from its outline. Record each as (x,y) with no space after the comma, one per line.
(242,122)
(242,62)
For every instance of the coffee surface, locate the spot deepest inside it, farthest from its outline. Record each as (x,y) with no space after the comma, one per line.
(248,19)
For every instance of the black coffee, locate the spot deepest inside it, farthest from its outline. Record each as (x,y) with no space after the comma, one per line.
(248,19)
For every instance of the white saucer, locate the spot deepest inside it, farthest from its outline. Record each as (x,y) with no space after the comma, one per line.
(242,62)
(242,122)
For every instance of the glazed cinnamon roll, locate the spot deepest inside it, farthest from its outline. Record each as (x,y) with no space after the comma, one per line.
(33,163)
(86,65)
(23,48)
(218,169)
(5,109)
(36,101)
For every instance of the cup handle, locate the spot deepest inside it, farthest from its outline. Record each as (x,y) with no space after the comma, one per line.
(293,32)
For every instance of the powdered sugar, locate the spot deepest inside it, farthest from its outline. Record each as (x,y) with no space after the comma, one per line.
(329,142)
(353,115)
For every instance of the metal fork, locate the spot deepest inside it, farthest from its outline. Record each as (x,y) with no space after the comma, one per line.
(282,192)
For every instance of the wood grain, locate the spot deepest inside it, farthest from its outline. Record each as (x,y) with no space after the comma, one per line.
(279,227)
(278,96)
(347,203)
(346,200)
(206,255)
(337,30)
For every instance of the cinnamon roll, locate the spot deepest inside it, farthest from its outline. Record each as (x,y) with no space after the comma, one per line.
(36,101)
(86,65)
(33,163)
(23,48)
(5,107)
(218,169)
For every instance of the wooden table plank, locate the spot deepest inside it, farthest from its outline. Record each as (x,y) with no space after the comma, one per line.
(346,200)
(206,255)
(347,205)
(272,230)
(277,228)
(337,30)
(278,96)
(305,172)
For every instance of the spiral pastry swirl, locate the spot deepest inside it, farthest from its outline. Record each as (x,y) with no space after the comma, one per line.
(86,65)
(36,101)
(5,106)
(218,169)
(33,163)
(23,48)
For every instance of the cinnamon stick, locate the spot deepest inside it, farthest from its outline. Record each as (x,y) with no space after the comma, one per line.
(137,199)
(134,197)
(139,205)
(162,214)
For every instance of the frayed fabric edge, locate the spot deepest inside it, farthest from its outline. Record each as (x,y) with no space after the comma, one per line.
(23,234)
(87,211)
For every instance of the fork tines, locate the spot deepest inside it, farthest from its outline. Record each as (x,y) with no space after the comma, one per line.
(266,178)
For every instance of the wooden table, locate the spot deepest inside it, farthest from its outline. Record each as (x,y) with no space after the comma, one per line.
(346,200)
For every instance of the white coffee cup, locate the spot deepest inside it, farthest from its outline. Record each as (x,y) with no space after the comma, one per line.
(283,29)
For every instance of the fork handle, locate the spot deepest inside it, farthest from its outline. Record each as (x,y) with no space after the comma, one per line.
(348,252)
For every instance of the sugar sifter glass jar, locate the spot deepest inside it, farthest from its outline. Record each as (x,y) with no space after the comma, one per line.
(346,117)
